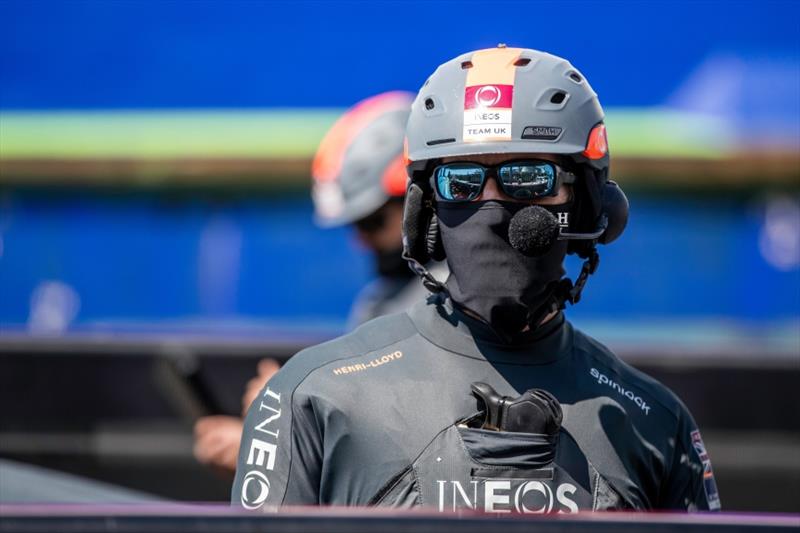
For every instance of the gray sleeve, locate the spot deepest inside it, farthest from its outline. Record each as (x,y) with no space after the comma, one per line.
(690,482)
(280,456)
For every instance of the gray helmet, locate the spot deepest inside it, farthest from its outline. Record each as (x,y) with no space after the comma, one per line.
(506,100)
(359,164)
(511,101)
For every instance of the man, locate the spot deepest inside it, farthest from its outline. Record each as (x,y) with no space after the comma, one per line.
(484,396)
(359,179)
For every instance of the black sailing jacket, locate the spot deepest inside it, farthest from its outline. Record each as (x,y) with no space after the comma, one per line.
(373,418)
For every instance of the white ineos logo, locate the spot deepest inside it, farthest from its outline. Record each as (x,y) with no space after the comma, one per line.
(263,451)
(508,496)
(538,486)
(487,96)
(255,498)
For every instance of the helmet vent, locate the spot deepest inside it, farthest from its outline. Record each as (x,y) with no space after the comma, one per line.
(466,64)
(552,99)
(522,62)
(574,76)
(440,141)
(432,106)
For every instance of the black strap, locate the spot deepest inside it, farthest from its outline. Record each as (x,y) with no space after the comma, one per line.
(564,290)
(589,267)
(430,282)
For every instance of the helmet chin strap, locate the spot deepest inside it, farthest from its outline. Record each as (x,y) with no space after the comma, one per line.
(564,290)
(428,279)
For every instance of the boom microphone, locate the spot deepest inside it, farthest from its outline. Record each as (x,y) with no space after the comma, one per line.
(533,230)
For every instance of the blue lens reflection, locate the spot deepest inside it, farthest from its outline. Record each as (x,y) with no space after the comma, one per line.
(459,182)
(524,181)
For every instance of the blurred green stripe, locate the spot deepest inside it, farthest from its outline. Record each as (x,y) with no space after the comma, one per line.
(657,132)
(159,135)
(290,133)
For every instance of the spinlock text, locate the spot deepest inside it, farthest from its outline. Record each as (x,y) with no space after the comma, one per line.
(602,379)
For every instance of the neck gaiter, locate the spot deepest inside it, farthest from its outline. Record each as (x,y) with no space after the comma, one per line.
(488,276)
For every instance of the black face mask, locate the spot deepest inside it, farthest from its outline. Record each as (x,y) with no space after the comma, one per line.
(488,276)
(390,264)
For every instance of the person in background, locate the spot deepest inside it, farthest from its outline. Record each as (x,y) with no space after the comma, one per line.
(217,437)
(359,179)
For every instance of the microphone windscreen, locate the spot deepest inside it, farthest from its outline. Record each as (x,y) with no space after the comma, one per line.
(533,230)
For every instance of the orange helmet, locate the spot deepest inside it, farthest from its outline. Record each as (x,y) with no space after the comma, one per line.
(359,164)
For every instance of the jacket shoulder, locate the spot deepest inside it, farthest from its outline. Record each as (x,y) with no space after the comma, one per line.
(613,375)
(371,336)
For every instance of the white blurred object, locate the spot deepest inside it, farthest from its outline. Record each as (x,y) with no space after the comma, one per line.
(756,94)
(54,305)
(779,239)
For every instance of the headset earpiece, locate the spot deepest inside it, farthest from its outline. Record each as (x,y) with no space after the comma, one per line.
(598,201)
(615,207)
(585,208)
(416,221)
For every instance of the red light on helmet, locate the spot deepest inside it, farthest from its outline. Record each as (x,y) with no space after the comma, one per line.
(597,145)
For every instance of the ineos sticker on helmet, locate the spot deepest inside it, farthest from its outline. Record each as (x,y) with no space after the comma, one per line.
(487,112)
(489,94)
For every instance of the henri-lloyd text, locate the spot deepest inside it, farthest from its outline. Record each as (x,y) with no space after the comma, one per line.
(374,363)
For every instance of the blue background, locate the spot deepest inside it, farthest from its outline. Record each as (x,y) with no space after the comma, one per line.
(155,54)
(138,257)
